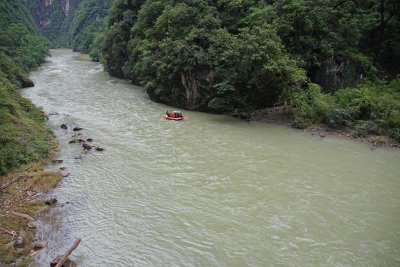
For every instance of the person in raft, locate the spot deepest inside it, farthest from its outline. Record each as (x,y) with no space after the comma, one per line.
(170,114)
(173,114)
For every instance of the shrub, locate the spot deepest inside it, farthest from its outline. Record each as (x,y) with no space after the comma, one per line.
(219,105)
(310,105)
(395,134)
(300,122)
(340,117)
(364,128)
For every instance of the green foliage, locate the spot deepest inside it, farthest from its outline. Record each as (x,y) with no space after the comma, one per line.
(95,51)
(371,108)
(247,54)
(27,49)
(87,23)
(21,48)
(365,128)
(119,23)
(23,135)
(310,105)
(340,117)
(12,72)
(367,31)
(14,12)
(187,49)
(74,25)
(183,55)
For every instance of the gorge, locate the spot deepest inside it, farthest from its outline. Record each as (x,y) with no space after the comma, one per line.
(210,190)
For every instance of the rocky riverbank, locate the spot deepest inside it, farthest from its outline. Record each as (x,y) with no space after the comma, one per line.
(22,194)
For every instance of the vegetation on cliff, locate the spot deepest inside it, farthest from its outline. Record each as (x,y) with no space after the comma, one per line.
(198,55)
(73,23)
(224,55)
(24,137)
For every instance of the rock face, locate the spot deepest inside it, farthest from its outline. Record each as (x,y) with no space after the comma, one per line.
(336,73)
(194,84)
(54,18)
(63,21)
(65,6)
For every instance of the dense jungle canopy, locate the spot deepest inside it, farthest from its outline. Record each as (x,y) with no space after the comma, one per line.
(223,55)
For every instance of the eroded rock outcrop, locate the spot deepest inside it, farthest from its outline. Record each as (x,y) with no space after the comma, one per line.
(336,73)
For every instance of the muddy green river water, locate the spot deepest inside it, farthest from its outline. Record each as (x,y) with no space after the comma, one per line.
(210,190)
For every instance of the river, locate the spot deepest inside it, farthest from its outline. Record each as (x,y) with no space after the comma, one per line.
(210,190)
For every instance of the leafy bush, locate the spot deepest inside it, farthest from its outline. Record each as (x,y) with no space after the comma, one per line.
(310,105)
(340,117)
(379,102)
(370,109)
(365,128)
(300,122)
(395,134)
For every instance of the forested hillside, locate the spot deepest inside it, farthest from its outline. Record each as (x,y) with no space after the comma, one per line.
(23,135)
(70,23)
(224,55)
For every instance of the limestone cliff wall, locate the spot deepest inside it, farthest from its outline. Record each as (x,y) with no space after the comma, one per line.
(336,73)
(64,21)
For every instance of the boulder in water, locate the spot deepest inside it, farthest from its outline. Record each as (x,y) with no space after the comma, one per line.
(51,201)
(86,146)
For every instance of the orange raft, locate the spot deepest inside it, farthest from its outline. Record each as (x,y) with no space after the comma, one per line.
(174,115)
(173,118)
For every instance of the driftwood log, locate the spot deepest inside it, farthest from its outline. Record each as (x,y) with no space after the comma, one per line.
(21,215)
(64,258)
(67,263)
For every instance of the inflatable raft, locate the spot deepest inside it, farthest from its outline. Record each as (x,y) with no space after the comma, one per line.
(173,118)
(174,115)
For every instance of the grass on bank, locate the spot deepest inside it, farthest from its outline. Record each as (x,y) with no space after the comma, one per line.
(24,138)
(26,147)
(20,197)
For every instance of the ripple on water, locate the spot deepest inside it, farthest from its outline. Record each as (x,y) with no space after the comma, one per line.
(209,190)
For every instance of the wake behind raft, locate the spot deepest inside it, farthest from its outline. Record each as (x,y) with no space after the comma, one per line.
(174,115)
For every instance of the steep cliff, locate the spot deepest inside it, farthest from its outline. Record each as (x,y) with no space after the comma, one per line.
(69,23)
(16,12)
(54,18)
(23,135)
